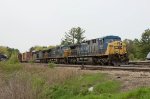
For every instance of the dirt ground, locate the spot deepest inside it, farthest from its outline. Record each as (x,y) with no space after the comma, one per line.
(130,80)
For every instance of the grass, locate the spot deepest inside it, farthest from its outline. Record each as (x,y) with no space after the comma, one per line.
(13,59)
(36,82)
(78,87)
(11,65)
(30,82)
(7,67)
(16,86)
(51,65)
(141,93)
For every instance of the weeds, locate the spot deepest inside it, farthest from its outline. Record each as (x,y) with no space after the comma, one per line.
(12,64)
(13,59)
(79,86)
(7,67)
(18,86)
(37,82)
(51,65)
(31,62)
(107,87)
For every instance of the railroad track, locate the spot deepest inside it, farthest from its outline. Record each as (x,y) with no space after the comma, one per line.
(140,62)
(134,68)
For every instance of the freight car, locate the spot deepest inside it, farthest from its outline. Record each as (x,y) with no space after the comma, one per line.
(108,50)
(26,57)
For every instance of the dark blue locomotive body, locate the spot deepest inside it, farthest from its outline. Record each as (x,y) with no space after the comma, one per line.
(96,46)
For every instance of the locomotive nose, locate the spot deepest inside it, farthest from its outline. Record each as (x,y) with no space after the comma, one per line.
(119,48)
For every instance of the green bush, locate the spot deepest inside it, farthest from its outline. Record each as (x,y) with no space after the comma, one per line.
(14,58)
(51,65)
(31,61)
(7,67)
(12,64)
(131,57)
(38,84)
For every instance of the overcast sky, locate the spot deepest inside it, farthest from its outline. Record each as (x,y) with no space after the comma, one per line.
(26,23)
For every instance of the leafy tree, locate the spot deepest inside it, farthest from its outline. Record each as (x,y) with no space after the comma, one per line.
(49,47)
(70,36)
(68,39)
(79,35)
(136,48)
(75,35)
(130,46)
(8,51)
(3,50)
(139,48)
(144,44)
(39,48)
(65,42)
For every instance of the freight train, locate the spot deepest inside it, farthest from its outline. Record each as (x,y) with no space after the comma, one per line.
(108,50)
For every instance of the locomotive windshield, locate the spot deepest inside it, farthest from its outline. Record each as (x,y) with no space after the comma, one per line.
(111,40)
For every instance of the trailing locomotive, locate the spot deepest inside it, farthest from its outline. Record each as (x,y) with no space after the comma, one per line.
(108,50)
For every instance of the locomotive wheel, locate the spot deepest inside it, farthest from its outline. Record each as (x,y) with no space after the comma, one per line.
(101,61)
(116,63)
(74,61)
(94,61)
(125,62)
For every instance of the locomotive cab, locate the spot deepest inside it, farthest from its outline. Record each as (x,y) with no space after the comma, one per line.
(117,53)
(114,49)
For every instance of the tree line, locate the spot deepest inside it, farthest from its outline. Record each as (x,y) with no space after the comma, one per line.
(139,48)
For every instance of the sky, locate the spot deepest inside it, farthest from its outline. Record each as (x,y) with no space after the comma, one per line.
(26,23)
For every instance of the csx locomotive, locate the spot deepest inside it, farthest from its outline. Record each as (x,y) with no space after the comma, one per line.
(108,50)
